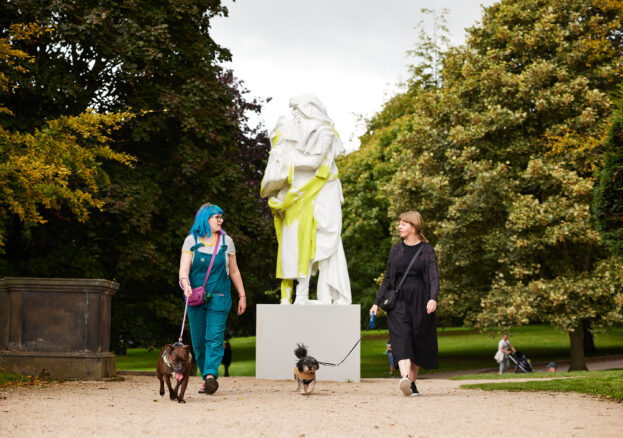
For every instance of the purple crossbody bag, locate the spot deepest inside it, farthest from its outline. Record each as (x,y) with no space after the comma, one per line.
(199,295)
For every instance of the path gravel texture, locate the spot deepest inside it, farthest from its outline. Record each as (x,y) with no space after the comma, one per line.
(246,407)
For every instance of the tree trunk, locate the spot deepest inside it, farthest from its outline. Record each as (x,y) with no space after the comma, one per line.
(589,342)
(577,350)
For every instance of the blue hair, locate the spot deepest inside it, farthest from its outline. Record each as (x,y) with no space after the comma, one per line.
(201,227)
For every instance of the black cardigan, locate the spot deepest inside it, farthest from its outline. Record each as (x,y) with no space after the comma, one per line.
(431,275)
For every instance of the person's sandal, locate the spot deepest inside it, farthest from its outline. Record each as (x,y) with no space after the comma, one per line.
(202,390)
(210,385)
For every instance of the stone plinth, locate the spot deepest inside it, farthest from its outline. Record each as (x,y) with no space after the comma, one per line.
(329,332)
(56,327)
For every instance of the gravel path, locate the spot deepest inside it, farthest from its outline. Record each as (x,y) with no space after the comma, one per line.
(246,407)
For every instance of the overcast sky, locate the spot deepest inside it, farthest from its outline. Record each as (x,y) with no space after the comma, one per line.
(349,53)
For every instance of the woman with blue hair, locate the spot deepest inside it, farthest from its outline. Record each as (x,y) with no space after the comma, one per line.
(207,321)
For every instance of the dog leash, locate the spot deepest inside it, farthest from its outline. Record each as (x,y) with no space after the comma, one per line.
(368,327)
(179,341)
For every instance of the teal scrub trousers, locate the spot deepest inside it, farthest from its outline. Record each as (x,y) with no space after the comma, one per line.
(207,322)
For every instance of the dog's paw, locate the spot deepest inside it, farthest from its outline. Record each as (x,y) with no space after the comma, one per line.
(181,401)
(162,392)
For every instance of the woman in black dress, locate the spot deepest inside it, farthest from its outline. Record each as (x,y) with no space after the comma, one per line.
(412,322)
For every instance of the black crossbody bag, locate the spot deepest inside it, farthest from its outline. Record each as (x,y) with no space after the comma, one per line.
(390,300)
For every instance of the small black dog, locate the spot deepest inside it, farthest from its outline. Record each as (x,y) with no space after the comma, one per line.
(305,370)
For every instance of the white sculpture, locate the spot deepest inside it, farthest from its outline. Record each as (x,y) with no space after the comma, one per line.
(305,195)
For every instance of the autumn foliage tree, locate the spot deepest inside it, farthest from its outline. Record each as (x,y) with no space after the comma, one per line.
(56,166)
(190,145)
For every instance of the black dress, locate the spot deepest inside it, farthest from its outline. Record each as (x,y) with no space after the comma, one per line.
(412,331)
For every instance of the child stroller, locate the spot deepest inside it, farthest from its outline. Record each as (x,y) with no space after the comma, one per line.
(522,363)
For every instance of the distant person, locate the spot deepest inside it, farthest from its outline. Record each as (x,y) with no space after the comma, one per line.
(551,367)
(226,357)
(412,322)
(390,357)
(503,351)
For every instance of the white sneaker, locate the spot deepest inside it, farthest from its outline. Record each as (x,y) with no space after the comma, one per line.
(405,385)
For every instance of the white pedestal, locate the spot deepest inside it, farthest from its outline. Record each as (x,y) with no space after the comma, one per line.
(328,331)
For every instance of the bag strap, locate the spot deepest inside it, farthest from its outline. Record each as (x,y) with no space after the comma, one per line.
(409,267)
(216,249)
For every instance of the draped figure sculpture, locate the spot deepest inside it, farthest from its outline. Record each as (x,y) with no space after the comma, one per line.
(305,196)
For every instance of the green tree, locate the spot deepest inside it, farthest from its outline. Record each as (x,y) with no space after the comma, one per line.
(369,217)
(430,49)
(608,202)
(366,226)
(191,146)
(500,159)
(549,241)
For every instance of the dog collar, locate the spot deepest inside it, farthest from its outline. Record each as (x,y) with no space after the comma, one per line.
(305,375)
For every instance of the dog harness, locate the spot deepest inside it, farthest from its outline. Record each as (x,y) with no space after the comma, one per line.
(306,376)
(165,358)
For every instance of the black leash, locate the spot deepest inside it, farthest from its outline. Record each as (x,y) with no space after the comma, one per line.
(370,325)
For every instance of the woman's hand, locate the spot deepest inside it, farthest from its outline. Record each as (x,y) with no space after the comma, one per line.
(431,306)
(187,289)
(236,279)
(374,309)
(242,304)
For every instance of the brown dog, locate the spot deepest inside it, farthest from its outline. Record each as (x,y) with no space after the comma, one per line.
(174,360)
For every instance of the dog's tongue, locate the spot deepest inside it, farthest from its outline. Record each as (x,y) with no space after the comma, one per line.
(179,376)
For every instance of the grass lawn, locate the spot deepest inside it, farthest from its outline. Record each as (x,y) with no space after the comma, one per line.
(465,349)
(459,349)
(7,378)
(512,376)
(243,358)
(607,383)
(15,380)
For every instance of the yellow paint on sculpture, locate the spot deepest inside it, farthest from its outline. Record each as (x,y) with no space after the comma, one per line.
(286,290)
(290,177)
(275,139)
(298,205)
